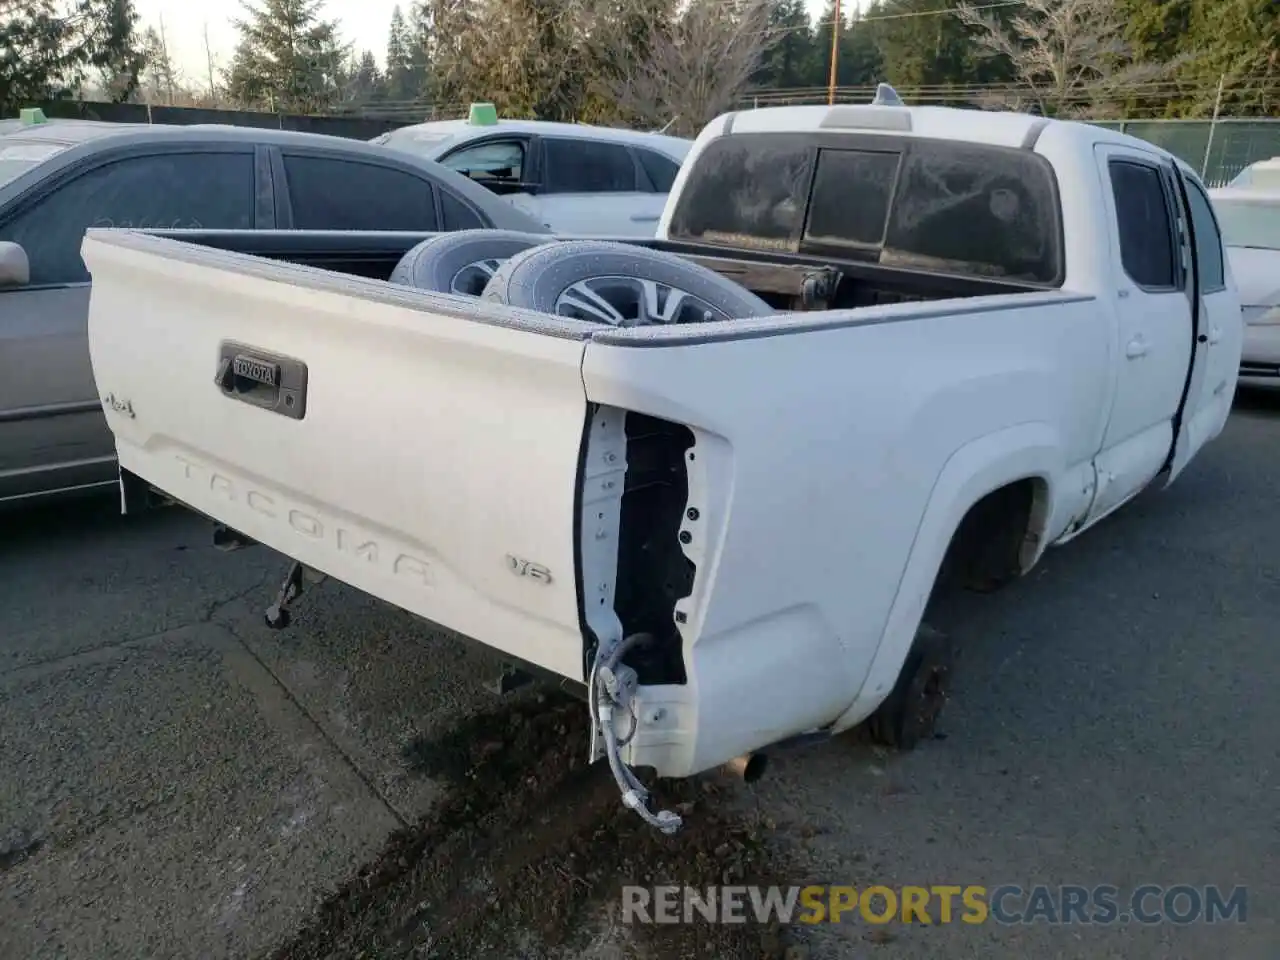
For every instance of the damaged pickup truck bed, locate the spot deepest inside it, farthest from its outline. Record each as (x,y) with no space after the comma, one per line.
(712,477)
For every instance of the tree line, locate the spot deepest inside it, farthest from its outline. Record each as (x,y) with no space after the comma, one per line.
(664,63)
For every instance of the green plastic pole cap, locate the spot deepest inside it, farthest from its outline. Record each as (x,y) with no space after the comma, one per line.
(30,115)
(483,115)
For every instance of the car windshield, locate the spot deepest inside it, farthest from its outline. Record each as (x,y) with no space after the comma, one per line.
(1247,223)
(18,156)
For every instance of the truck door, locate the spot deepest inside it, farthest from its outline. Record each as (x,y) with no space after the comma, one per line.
(1219,329)
(1154,335)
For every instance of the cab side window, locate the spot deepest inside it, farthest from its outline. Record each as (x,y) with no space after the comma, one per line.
(211,191)
(1145,222)
(1209,267)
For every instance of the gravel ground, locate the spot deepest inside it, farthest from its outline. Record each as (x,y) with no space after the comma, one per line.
(179,781)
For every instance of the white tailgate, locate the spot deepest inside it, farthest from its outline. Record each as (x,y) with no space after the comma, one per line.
(435,465)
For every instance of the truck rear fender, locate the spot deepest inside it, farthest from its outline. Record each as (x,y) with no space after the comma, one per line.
(1029,451)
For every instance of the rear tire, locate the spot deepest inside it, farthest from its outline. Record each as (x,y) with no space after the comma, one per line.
(463,262)
(619,285)
(910,713)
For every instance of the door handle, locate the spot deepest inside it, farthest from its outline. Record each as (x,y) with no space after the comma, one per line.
(1137,347)
(1215,334)
(645,217)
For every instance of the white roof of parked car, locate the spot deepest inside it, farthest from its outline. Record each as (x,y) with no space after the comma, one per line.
(1262,173)
(435,136)
(1247,194)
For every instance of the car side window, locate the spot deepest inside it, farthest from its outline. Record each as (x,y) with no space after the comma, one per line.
(660,170)
(1209,267)
(1145,225)
(330,193)
(587,166)
(493,160)
(457,215)
(212,191)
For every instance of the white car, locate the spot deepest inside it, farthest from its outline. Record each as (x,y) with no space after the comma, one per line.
(709,480)
(1261,173)
(576,179)
(1250,222)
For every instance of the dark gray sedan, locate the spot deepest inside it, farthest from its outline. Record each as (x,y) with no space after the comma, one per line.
(60,177)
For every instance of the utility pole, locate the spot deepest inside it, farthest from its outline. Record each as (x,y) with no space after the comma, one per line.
(835,54)
(1213,125)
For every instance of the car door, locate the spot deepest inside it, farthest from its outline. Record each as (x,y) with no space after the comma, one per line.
(53,434)
(1154,334)
(592,187)
(1219,328)
(502,164)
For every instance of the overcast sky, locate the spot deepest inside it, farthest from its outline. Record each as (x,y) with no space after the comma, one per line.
(364,23)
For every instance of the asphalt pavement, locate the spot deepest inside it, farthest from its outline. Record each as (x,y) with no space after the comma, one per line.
(178,781)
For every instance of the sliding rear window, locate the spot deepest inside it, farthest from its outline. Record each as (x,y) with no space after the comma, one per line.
(933,205)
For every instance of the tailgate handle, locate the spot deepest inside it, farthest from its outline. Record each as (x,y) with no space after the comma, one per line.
(265,380)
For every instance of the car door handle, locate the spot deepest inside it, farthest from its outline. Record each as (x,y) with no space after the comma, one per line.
(1137,347)
(645,217)
(1215,334)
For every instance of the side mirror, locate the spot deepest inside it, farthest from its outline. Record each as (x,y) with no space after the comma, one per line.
(15,268)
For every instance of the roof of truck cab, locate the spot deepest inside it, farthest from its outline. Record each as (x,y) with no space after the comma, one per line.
(439,134)
(993,127)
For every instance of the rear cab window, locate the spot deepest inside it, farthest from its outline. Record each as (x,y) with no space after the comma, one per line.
(939,206)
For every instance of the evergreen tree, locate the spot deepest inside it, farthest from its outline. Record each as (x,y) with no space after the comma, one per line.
(858,59)
(365,82)
(400,85)
(48,51)
(794,59)
(419,38)
(289,58)
(923,48)
(1237,43)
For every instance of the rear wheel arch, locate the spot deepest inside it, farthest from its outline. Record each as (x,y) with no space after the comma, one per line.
(1014,469)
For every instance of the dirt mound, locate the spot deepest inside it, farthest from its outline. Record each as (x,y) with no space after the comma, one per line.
(527,854)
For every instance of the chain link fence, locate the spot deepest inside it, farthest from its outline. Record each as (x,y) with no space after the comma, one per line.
(1217,149)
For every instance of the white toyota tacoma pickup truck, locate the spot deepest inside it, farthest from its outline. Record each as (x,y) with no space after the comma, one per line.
(712,478)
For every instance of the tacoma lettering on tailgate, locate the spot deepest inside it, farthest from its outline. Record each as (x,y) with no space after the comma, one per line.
(307,523)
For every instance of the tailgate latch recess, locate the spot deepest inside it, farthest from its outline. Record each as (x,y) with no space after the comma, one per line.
(266,380)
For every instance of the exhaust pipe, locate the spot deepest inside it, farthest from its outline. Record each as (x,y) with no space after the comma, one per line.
(749,767)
